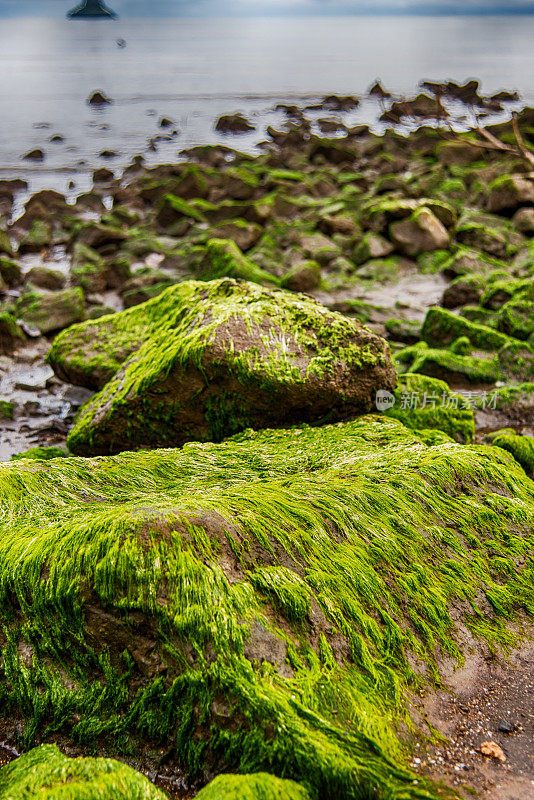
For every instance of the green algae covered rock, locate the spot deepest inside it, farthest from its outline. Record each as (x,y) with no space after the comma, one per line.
(442,327)
(448,365)
(259,786)
(521,447)
(264,604)
(423,403)
(46,774)
(52,312)
(224,259)
(207,360)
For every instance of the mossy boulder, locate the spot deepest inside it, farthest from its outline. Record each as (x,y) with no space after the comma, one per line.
(303,277)
(6,247)
(38,237)
(442,327)
(259,786)
(372,245)
(225,259)
(516,318)
(210,359)
(379,213)
(265,604)
(464,290)
(46,278)
(10,271)
(47,774)
(52,312)
(421,233)
(521,447)
(244,234)
(516,361)
(11,334)
(447,365)
(510,192)
(424,403)
(7,409)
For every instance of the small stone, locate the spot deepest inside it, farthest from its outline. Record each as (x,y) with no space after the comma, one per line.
(99,99)
(492,750)
(34,155)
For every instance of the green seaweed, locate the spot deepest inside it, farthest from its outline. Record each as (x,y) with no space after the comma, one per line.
(292,585)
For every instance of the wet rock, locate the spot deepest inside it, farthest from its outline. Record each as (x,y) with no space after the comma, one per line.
(234,123)
(52,312)
(422,233)
(463,291)
(5,243)
(524,221)
(303,277)
(100,237)
(377,90)
(479,236)
(34,155)
(99,98)
(371,246)
(34,379)
(319,248)
(510,192)
(108,154)
(38,238)
(458,153)
(103,175)
(338,223)
(334,102)
(11,334)
(403,330)
(331,126)
(143,287)
(244,234)
(46,278)
(422,106)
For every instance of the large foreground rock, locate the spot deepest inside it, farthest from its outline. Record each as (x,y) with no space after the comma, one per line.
(205,360)
(264,604)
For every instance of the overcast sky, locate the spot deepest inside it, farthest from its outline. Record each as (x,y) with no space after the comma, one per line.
(237,7)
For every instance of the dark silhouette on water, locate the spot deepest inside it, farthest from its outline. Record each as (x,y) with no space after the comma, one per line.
(91,8)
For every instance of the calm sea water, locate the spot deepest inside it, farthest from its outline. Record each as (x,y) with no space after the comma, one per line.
(194,70)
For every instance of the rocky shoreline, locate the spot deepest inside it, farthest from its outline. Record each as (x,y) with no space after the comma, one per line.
(308,379)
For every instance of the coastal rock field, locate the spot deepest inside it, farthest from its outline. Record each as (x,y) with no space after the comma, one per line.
(267,492)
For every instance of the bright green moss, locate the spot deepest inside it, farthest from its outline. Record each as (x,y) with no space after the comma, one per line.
(7,409)
(225,260)
(426,403)
(442,327)
(446,365)
(387,536)
(516,318)
(46,774)
(41,454)
(521,447)
(259,786)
